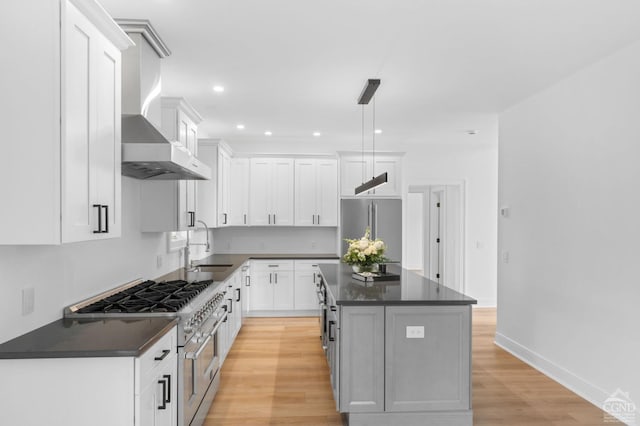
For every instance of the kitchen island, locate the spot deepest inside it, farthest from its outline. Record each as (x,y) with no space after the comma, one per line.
(399,351)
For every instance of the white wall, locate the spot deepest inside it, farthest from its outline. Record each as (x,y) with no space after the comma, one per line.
(570,174)
(62,275)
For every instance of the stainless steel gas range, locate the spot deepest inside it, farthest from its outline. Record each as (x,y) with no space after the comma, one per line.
(201,310)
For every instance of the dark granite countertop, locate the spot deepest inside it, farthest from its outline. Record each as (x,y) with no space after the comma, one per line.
(211,266)
(84,338)
(411,289)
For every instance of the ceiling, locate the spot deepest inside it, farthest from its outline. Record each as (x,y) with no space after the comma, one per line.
(295,67)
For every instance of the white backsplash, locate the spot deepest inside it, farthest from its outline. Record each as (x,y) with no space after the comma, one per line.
(275,240)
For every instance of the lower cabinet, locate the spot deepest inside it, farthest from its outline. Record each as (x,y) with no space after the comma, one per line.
(283,286)
(404,359)
(231,327)
(272,285)
(96,391)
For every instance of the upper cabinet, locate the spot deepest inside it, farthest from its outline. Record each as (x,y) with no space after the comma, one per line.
(271,192)
(62,177)
(172,205)
(180,122)
(224,189)
(238,192)
(354,170)
(316,192)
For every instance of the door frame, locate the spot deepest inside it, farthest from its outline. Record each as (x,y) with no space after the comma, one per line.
(425,188)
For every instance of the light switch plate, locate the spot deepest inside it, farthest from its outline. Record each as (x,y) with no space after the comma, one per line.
(28,300)
(415,332)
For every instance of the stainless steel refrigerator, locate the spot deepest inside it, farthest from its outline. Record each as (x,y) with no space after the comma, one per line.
(383,216)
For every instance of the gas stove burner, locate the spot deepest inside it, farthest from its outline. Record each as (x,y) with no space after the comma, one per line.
(149,297)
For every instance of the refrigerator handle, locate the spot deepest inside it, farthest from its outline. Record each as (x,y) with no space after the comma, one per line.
(375,221)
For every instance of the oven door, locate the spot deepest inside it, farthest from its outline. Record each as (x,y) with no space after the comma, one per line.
(200,367)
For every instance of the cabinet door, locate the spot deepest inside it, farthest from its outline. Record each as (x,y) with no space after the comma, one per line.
(261,291)
(429,372)
(282,192)
(224,162)
(183,129)
(305,297)
(362,363)
(78,194)
(327,193)
(192,138)
(306,192)
(283,290)
(259,192)
(352,174)
(183,215)
(239,192)
(391,165)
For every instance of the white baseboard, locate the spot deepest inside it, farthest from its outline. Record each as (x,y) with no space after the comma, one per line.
(576,384)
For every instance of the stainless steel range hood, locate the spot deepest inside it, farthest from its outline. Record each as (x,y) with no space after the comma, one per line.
(146,152)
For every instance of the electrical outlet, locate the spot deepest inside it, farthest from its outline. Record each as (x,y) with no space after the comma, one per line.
(505,256)
(159,261)
(28,300)
(415,332)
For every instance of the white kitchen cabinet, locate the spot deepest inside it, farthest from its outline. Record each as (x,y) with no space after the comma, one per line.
(167,206)
(352,175)
(272,285)
(172,205)
(180,122)
(224,187)
(271,192)
(307,275)
(316,192)
(70,64)
(239,192)
(101,391)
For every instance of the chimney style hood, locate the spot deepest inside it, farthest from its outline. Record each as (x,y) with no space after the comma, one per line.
(146,152)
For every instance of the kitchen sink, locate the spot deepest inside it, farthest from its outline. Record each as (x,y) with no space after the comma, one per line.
(214,268)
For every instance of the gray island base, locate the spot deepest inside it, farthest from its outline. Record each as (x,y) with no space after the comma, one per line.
(399,352)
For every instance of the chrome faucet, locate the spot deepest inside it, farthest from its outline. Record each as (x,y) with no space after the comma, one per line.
(188,266)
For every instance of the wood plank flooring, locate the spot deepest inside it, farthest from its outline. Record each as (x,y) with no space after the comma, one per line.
(276,374)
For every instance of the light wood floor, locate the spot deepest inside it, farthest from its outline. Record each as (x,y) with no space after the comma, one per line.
(276,374)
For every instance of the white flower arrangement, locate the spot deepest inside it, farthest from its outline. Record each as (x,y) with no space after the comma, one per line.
(364,251)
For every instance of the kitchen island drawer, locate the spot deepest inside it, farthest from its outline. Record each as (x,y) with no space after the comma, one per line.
(164,349)
(271,265)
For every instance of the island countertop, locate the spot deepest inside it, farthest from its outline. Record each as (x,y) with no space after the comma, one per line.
(410,289)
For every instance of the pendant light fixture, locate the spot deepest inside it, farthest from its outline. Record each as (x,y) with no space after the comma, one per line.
(365,97)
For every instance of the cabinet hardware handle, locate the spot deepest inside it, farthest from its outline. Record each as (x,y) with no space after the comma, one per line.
(168,377)
(245,218)
(318,219)
(274,219)
(332,338)
(270,277)
(99,231)
(106,219)
(333,309)
(269,219)
(165,352)
(313,219)
(230,305)
(164,395)
(248,283)
(225,218)
(276,274)
(273,266)
(237,294)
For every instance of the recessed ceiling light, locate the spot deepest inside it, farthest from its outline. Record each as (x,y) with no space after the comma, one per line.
(316,134)
(240,126)
(218,89)
(268,133)
(378,131)
(472,132)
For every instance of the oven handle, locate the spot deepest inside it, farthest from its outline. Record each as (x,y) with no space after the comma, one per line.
(196,354)
(213,332)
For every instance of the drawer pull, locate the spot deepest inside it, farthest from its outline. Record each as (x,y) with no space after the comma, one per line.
(165,352)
